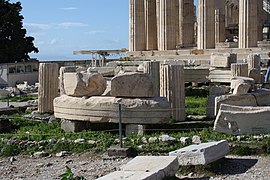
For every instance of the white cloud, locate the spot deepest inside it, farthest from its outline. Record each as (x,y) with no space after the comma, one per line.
(95,32)
(69,8)
(37,27)
(72,24)
(53,41)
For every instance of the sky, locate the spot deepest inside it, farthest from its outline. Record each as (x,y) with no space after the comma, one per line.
(63,26)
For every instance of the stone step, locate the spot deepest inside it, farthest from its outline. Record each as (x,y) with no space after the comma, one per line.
(201,154)
(146,168)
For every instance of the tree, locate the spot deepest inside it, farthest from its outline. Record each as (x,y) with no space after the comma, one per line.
(14,44)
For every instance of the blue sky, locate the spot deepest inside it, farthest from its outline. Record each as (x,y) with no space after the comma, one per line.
(62,26)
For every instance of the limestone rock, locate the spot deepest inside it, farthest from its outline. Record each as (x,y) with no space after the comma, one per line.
(238,120)
(201,154)
(240,80)
(262,96)
(132,85)
(242,88)
(223,60)
(213,93)
(84,84)
(105,109)
(232,99)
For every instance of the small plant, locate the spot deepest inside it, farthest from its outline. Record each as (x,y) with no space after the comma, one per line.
(68,175)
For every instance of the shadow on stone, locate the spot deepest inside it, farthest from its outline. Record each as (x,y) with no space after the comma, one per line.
(232,166)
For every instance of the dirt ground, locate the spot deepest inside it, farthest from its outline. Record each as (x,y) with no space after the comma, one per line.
(92,167)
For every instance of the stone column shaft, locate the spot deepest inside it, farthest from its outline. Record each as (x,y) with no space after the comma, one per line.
(254,61)
(248,25)
(172,86)
(153,68)
(137,41)
(206,24)
(167,24)
(48,86)
(239,69)
(219,27)
(151,24)
(186,22)
(260,20)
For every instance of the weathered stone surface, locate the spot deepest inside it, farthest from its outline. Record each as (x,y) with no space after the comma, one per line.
(48,86)
(84,84)
(255,74)
(105,109)
(4,93)
(242,120)
(128,175)
(223,60)
(62,71)
(262,97)
(232,99)
(242,88)
(239,69)
(213,93)
(132,84)
(201,154)
(146,168)
(240,80)
(74,126)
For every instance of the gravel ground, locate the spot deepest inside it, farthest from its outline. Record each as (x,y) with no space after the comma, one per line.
(51,167)
(233,168)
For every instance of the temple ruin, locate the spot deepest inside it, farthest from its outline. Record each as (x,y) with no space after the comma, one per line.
(168,27)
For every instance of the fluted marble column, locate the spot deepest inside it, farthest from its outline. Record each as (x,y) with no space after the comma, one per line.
(48,86)
(167,19)
(137,41)
(153,68)
(206,24)
(151,24)
(239,69)
(186,22)
(220,21)
(172,86)
(248,25)
(260,20)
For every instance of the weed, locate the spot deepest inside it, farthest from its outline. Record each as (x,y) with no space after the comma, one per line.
(68,175)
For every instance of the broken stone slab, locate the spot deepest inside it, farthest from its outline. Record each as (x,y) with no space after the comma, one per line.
(242,88)
(239,120)
(132,84)
(146,168)
(84,84)
(235,81)
(98,109)
(222,60)
(201,154)
(235,99)
(129,175)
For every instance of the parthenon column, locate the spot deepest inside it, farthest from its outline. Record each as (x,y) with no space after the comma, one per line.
(151,24)
(186,22)
(137,41)
(220,21)
(206,24)
(260,20)
(167,24)
(248,26)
